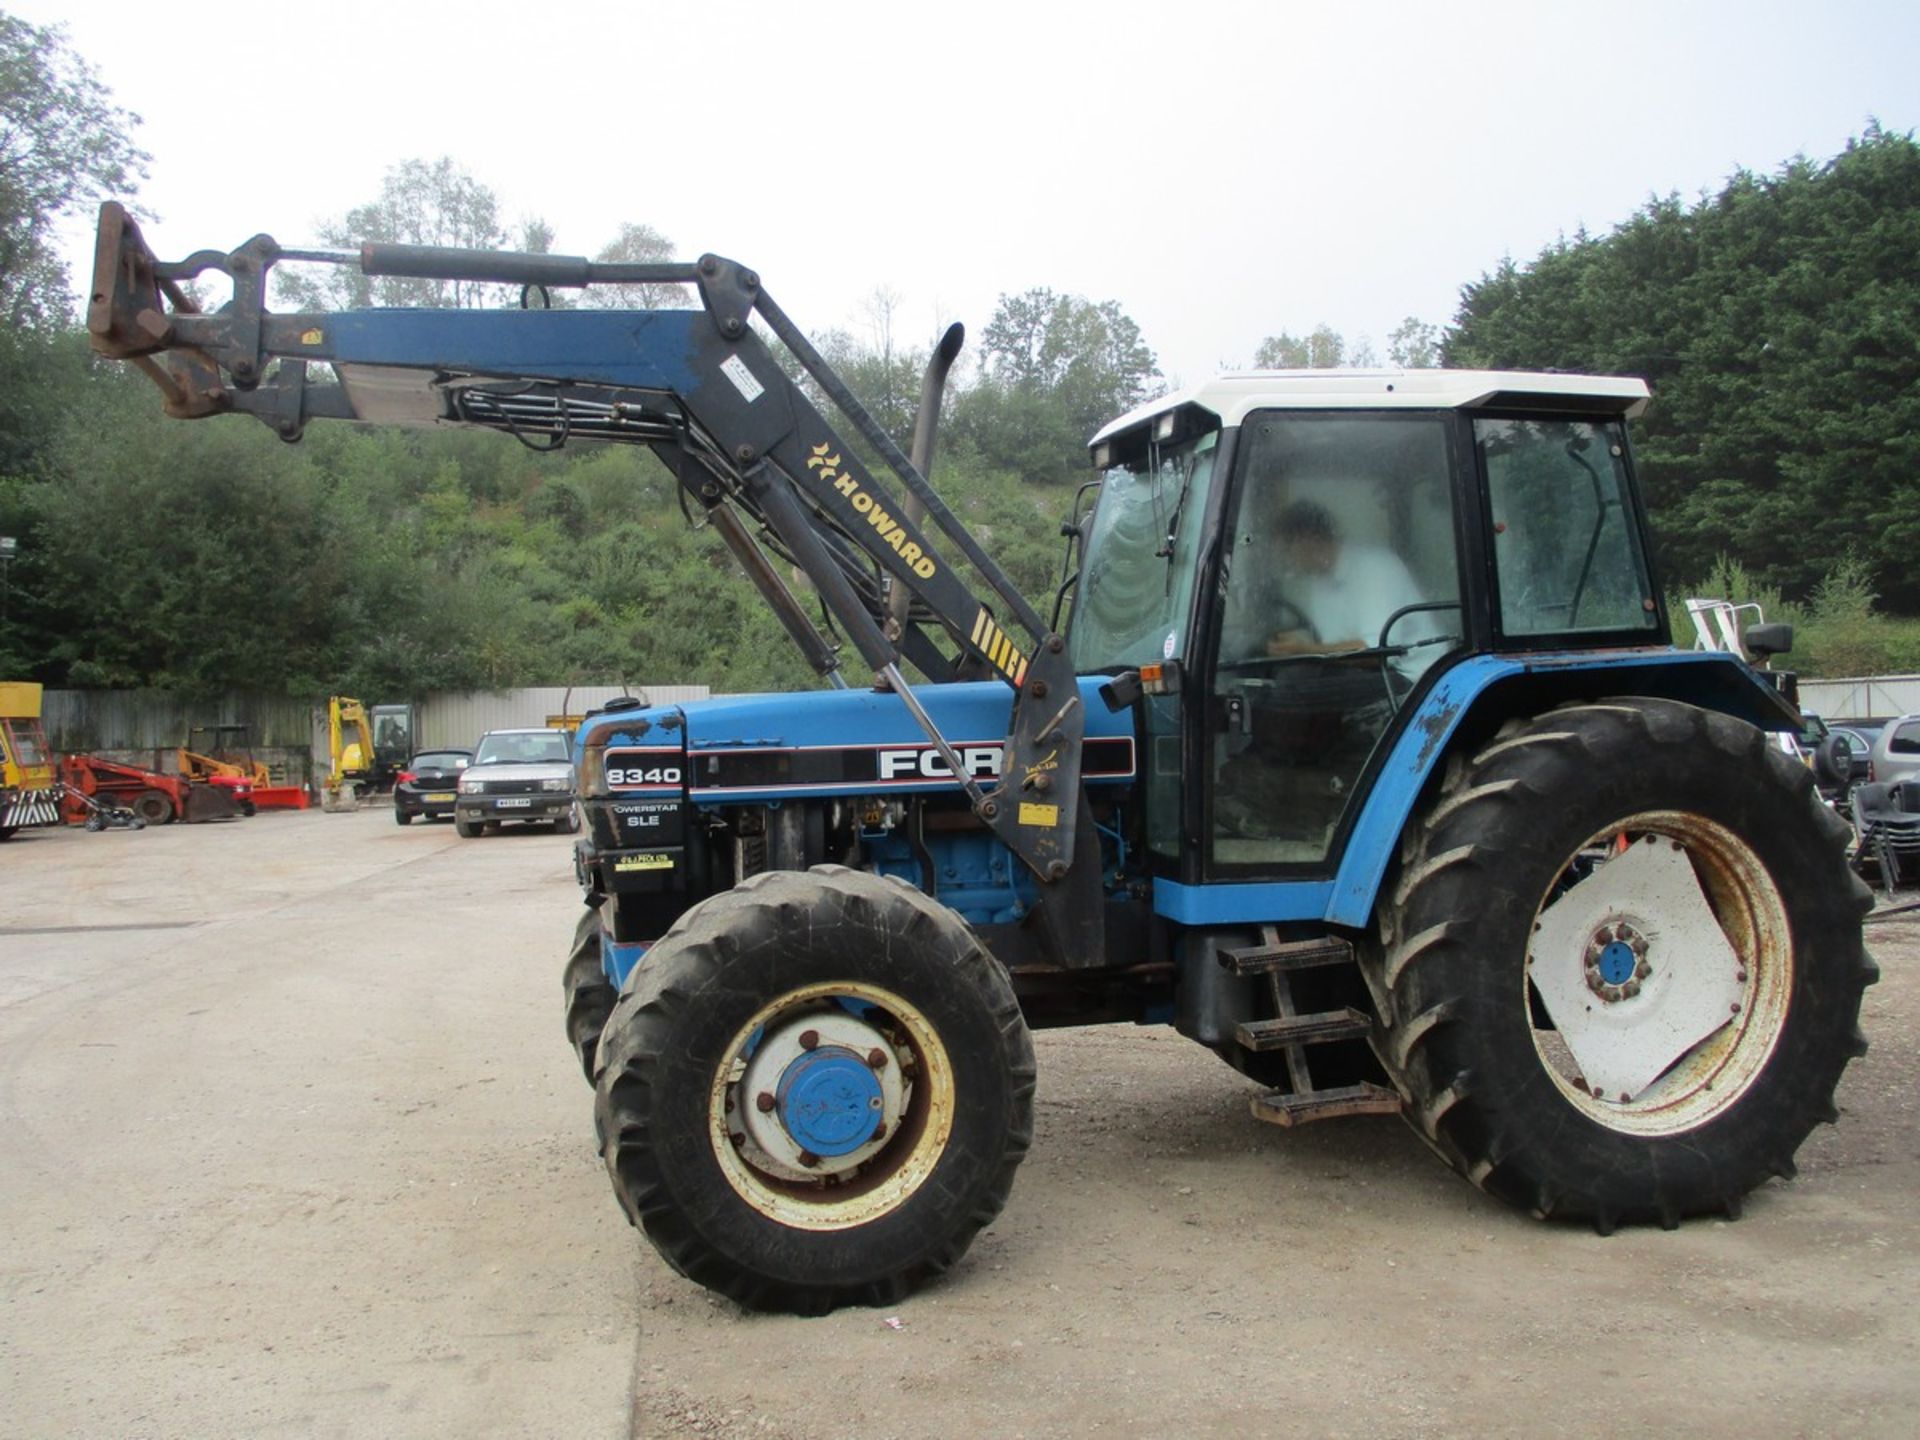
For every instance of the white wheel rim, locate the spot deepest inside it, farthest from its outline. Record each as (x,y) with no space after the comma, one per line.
(914,1082)
(1667,970)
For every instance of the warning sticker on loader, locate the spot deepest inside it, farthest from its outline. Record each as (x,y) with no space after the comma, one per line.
(735,369)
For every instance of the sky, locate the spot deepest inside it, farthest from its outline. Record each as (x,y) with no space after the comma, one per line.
(1224,171)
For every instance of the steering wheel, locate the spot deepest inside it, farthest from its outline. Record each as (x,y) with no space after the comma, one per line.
(1417,608)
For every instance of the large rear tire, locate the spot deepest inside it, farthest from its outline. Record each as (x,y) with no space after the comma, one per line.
(590,999)
(1620,972)
(815,1090)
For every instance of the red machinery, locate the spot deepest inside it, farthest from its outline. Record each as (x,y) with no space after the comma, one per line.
(157,799)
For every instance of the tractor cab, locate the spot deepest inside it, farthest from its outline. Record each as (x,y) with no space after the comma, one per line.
(1309,552)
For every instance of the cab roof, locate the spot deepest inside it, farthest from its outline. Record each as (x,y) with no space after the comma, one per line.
(1233,395)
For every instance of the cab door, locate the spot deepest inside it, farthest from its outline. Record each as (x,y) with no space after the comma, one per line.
(1340,592)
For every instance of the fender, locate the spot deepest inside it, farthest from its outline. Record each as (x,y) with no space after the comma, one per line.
(1503,685)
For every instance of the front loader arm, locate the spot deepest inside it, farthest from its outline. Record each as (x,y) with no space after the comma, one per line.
(703,390)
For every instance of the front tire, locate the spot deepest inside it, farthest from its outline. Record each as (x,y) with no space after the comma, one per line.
(815,1091)
(466,829)
(1621,970)
(590,999)
(154,806)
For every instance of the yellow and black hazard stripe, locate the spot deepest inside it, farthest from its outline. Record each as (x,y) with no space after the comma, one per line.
(994,643)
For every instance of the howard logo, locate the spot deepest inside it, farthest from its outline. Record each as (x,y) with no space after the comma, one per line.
(865,505)
(982,762)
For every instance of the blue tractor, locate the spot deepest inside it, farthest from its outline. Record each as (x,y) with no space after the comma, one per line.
(1354,747)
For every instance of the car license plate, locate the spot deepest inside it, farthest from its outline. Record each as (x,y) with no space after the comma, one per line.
(514,804)
(439,796)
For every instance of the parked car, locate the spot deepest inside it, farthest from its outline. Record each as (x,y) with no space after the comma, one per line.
(1896,751)
(425,785)
(519,776)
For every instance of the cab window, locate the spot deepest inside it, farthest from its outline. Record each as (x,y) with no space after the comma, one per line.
(1565,550)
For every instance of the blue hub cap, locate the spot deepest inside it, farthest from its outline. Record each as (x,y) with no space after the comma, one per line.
(1617,962)
(830,1101)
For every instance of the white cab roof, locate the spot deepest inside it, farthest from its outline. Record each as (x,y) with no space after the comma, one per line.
(1234,394)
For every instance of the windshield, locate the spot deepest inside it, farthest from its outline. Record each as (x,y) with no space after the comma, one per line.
(1136,585)
(531,747)
(25,742)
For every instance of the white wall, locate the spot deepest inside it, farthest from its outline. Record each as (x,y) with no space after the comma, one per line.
(1869,697)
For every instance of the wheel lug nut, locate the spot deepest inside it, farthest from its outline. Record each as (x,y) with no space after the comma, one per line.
(764,1101)
(877,1058)
(809,1159)
(879,1129)
(809,1039)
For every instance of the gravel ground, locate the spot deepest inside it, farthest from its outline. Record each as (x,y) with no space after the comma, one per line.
(291,1144)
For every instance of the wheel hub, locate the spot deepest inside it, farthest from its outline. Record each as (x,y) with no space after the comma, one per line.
(830,1100)
(1617,961)
(819,1096)
(1635,970)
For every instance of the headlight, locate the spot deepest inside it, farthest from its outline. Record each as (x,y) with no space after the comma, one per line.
(472,785)
(553,784)
(593,770)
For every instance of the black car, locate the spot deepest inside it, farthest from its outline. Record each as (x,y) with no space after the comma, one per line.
(428,784)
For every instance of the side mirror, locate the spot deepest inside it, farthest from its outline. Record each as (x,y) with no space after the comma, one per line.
(1768,640)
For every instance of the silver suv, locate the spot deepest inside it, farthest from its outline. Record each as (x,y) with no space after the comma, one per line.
(1896,751)
(517,776)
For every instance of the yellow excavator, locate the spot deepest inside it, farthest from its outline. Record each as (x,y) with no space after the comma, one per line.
(349,754)
(29,794)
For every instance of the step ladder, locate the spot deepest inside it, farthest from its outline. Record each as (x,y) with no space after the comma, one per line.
(1292,1032)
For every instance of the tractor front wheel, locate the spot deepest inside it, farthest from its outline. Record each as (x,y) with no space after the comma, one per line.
(815,1090)
(1621,970)
(154,806)
(590,999)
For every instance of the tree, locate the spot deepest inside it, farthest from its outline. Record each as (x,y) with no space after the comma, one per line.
(1413,344)
(1778,323)
(420,203)
(1324,349)
(1089,356)
(63,144)
(637,245)
(1056,368)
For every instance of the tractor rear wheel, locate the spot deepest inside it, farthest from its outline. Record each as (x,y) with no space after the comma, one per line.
(590,999)
(154,806)
(815,1090)
(1620,972)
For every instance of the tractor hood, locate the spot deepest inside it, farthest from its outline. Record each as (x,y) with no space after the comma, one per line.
(837,742)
